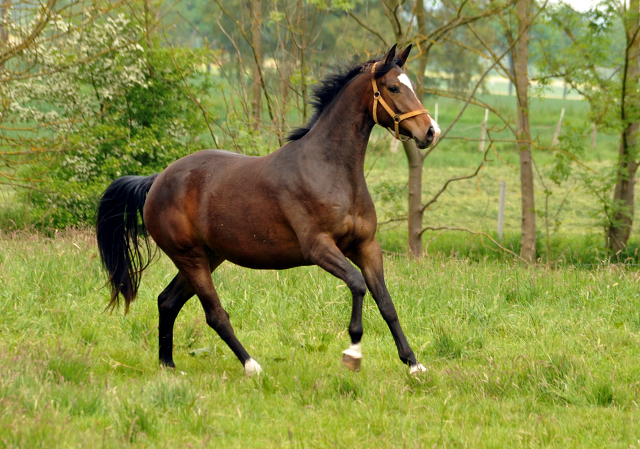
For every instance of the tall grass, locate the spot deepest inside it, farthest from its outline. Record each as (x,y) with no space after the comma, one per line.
(515,357)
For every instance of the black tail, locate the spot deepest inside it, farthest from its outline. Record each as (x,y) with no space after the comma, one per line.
(117,229)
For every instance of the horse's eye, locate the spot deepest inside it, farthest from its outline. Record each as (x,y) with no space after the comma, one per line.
(394,89)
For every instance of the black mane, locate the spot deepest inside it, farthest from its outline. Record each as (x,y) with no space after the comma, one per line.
(328,89)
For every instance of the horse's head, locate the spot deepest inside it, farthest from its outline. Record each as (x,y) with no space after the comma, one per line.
(395,104)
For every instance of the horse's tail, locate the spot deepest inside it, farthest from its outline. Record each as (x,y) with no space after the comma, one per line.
(117,230)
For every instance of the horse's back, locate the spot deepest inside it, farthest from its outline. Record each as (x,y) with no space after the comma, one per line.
(225,202)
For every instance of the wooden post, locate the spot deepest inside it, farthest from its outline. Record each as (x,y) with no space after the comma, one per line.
(556,136)
(436,116)
(394,145)
(503,191)
(483,132)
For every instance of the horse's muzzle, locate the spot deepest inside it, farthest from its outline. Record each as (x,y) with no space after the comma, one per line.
(429,138)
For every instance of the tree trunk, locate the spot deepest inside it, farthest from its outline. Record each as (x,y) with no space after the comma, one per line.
(520,63)
(421,18)
(624,193)
(415,159)
(623,197)
(414,155)
(256,42)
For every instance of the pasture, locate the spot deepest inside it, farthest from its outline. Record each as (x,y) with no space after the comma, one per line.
(540,355)
(515,357)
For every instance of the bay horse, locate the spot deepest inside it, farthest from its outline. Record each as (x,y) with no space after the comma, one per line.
(305,204)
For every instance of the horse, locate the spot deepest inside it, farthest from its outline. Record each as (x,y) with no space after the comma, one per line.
(306,203)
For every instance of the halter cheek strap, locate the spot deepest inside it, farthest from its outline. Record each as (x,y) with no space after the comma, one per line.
(377,98)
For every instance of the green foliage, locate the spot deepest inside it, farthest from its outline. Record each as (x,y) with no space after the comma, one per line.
(591,52)
(571,149)
(139,130)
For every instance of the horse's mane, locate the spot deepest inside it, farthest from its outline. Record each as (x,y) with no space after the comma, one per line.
(328,89)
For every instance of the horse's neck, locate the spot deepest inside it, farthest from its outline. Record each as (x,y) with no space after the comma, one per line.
(341,134)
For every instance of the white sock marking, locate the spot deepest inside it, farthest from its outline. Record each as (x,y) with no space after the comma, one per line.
(252,367)
(354,351)
(417,368)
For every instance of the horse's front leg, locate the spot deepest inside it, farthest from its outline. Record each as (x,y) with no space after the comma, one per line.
(328,256)
(369,260)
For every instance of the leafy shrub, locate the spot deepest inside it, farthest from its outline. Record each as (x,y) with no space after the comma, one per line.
(139,131)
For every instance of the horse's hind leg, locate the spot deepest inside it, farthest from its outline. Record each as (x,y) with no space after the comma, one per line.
(170,303)
(198,273)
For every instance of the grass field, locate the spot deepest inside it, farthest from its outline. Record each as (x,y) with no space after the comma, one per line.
(515,357)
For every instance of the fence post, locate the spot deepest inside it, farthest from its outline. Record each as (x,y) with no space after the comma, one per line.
(483,132)
(594,136)
(503,191)
(394,145)
(556,136)
(436,116)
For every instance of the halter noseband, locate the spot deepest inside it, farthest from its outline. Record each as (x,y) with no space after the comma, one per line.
(377,97)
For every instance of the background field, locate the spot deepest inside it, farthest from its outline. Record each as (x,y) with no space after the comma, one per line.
(574,214)
(516,357)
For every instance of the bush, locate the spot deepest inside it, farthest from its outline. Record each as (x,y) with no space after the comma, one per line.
(138,131)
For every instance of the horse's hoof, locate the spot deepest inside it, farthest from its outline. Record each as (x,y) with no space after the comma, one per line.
(252,367)
(353,363)
(352,357)
(416,369)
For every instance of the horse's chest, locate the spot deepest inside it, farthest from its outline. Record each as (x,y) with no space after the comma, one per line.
(353,229)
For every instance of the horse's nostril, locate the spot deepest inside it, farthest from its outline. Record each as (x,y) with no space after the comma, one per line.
(431,132)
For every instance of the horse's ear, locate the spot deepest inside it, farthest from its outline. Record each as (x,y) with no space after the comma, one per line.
(391,54)
(404,55)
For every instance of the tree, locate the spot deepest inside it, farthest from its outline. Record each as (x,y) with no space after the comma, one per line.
(619,228)
(602,63)
(45,48)
(523,136)
(434,26)
(256,44)
(90,100)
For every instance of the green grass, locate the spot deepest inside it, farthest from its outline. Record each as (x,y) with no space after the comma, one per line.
(515,357)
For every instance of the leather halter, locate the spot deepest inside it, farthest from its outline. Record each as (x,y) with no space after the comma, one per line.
(377,97)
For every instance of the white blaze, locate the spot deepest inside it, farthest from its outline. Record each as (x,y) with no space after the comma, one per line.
(404,79)
(436,129)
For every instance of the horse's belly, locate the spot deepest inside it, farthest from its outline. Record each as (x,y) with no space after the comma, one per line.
(256,248)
